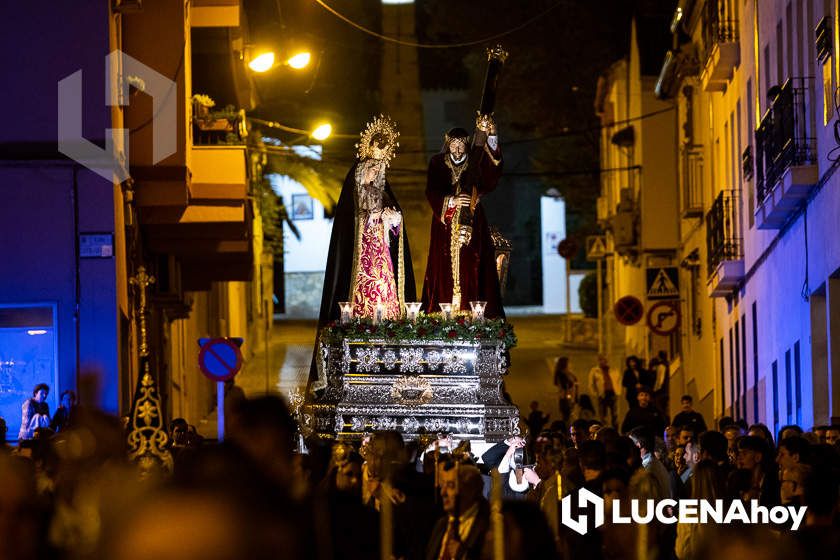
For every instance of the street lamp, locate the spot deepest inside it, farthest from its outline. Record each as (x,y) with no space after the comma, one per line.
(322,131)
(262,62)
(300,60)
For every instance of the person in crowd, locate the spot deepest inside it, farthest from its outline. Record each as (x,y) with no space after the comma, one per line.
(789,431)
(762,431)
(594,427)
(660,366)
(603,386)
(732,432)
(65,412)
(686,435)
(755,456)
(643,438)
(460,533)
(4,432)
(526,533)
(704,485)
(688,416)
(536,420)
(644,414)
(792,484)
(35,412)
(832,434)
(503,456)
(567,388)
(635,376)
(820,432)
(793,450)
(579,432)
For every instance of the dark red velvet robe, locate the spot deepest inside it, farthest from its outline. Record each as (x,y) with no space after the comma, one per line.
(479,279)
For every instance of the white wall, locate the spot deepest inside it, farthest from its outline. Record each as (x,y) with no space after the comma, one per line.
(309,253)
(553,230)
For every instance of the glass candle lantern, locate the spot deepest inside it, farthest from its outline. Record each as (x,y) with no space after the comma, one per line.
(346,308)
(412,310)
(446,308)
(478,310)
(378,313)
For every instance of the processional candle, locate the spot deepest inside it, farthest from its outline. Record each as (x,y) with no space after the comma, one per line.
(412,309)
(478,310)
(446,308)
(378,313)
(346,311)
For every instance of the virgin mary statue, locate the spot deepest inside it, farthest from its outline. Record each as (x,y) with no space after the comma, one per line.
(369,262)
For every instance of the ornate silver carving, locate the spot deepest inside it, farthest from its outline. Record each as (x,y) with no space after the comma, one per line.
(367,358)
(433,359)
(452,362)
(389,359)
(410,424)
(412,390)
(410,358)
(357,423)
(384,423)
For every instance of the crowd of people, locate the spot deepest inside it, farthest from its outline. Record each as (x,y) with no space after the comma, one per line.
(266,492)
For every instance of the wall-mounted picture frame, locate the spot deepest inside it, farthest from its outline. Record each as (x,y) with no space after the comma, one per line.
(302,207)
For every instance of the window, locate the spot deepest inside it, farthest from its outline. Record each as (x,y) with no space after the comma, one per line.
(755,361)
(737,372)
(797,377)
(750,133)
(788,389)
(722,380)
(732,397)
(744,364)
(775,368)
(28,356)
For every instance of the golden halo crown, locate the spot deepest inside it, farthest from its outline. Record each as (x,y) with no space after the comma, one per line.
(381,129)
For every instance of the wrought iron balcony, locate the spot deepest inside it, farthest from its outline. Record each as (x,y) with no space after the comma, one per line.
(748,163)
(720,44)
(785,154)
(724,243)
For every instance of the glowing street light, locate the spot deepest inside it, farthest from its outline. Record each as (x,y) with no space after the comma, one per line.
(322,131)
(300,60)
(262,62)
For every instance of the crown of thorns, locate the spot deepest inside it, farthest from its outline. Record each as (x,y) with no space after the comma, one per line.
(378,140)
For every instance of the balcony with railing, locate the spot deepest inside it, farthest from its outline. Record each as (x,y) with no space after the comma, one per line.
(785,155)
(720,43)
(724,244)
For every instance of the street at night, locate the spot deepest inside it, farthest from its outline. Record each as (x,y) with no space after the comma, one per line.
(420,280)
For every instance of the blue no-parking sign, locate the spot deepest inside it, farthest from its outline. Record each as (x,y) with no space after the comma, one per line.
(219,358)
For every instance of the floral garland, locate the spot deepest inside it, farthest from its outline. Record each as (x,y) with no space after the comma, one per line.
(426,327)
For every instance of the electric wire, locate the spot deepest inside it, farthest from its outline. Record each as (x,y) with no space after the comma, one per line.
(373,33)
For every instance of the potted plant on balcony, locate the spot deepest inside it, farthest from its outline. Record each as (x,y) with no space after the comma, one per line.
(201,105)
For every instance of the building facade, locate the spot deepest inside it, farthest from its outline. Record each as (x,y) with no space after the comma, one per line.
(754,87)
(73,240)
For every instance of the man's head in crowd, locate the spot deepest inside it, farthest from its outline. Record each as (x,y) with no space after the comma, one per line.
(820,432)
(579,432)
(615,482)
(460,485)
(644,397)
(644,439)
(692,454)
(592,456)
(832,434)
(752,452)
(686,402)
(686,435)
(594,427)
(792,484)
(713,447)
(789,431)
(792,451)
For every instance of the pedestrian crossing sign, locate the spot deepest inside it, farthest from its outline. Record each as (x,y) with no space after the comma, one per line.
(663,282)
(596,247)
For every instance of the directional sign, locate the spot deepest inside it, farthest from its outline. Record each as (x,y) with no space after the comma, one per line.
(596,247)
(664,317)
(629,310)
(663,282)
(220,358)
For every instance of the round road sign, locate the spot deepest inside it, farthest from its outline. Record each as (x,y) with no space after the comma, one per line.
(567,248)
(664,317)
(220,359)
(629,310)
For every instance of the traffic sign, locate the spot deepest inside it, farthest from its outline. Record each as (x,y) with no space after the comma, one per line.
(663,318)
(567,248)
(629,310)
(596,247)
(220,358)
(663,282)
